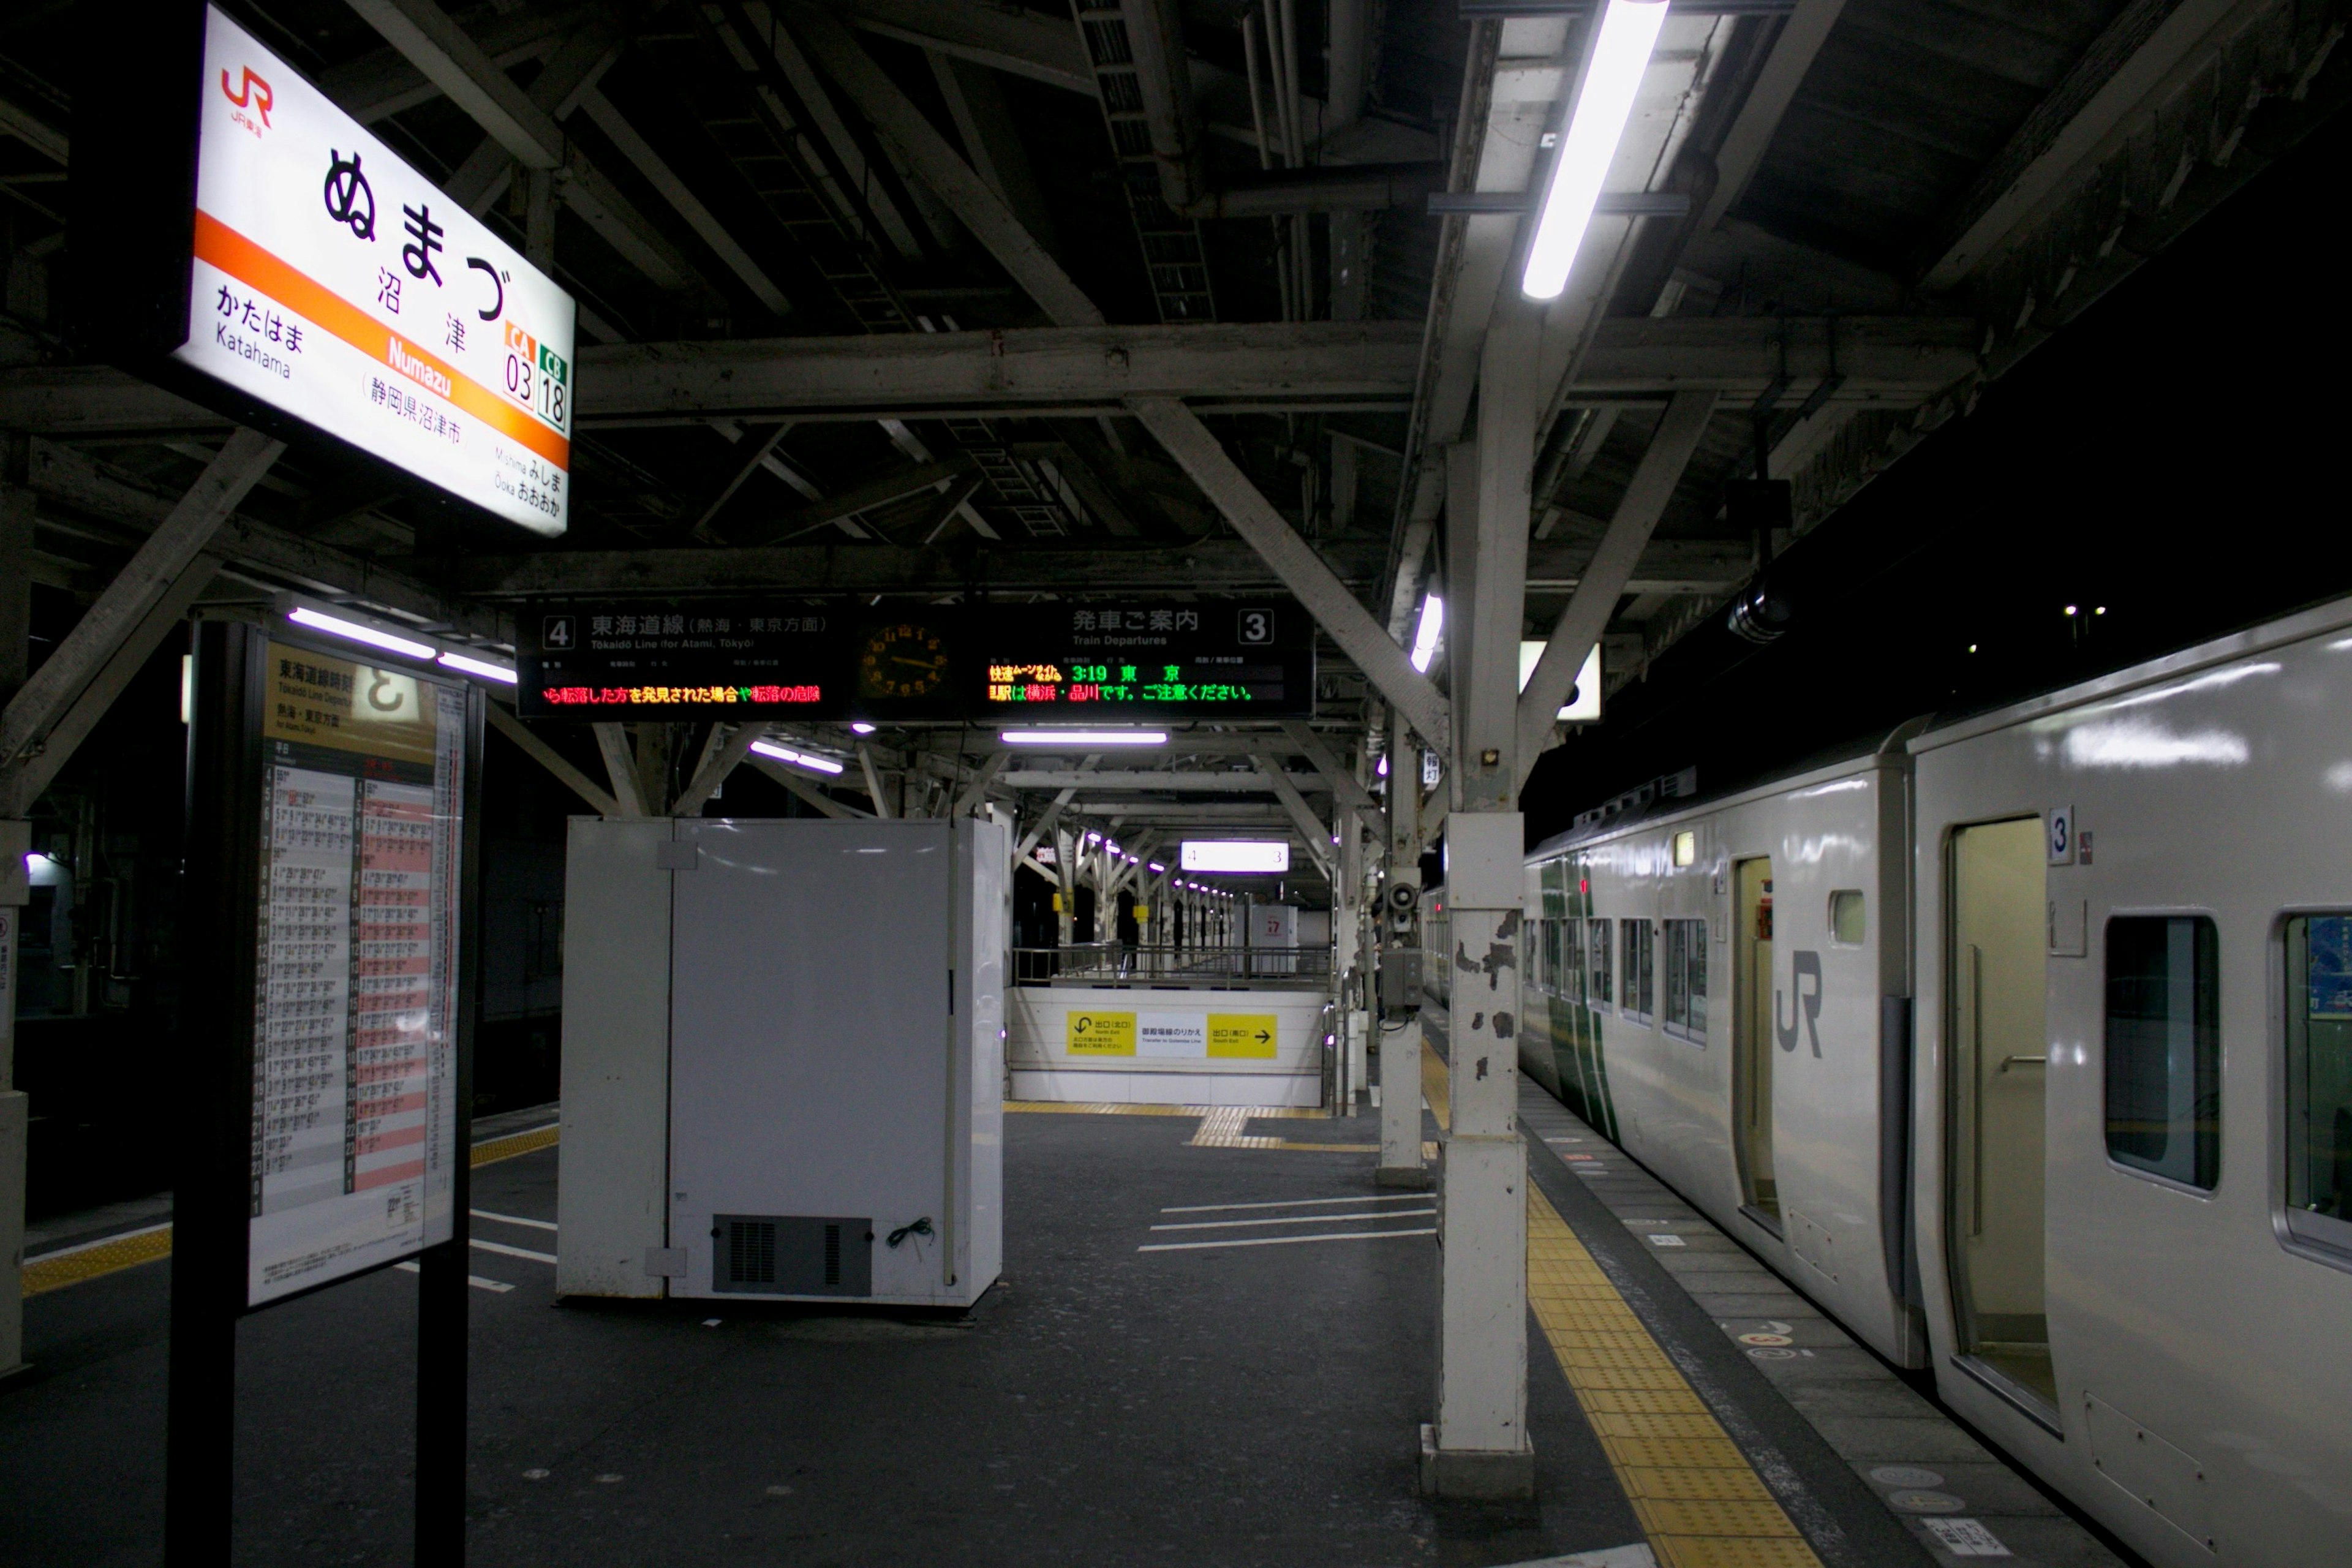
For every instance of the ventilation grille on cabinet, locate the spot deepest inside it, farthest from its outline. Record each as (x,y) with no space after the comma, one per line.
(793,1255)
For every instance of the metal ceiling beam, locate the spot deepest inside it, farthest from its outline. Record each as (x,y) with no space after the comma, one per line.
(1006,38)
(1767,99)
(941,168)
(995,371)
(454,63)
(1168,781)
(383,82)
(1337,610)
(168,554)
(1206,566)
(1587,612)
(640,152)
(1884,361)
(504,721)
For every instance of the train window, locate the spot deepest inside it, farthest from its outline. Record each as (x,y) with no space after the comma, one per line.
(1686,978)
(1640,940)
(1601,971)
(2319,1078)
(1551,964)
(1845,917)
(2164,1047)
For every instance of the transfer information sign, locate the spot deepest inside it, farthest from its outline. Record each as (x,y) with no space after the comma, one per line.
(333,281)
(355,1026)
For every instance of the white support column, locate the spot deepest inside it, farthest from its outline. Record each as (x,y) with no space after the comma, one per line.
(1478,1446)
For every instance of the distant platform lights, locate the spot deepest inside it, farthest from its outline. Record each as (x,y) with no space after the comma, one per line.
(808,760)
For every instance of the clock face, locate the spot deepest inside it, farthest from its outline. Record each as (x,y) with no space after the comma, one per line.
(901,659)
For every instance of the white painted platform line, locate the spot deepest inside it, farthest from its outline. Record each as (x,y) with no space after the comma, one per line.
(1283,1240)
(1291,1204)
(498,1286)
(503,1250)
(1635,1556)
(513,1219)
(1289,1219)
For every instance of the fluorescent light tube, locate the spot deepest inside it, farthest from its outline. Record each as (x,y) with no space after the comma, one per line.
(479,666)
(351,631)
(1425,636)
(799,759)
(1076,737)
(1605,99)
(860,727)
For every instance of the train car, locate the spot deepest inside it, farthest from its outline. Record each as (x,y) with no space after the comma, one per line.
(2134,1110)
(1722,988)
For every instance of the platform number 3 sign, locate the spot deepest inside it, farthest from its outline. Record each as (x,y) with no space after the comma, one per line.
(2061,834)
(1255,627)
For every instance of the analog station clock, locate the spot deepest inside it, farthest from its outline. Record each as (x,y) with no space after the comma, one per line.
(900,660)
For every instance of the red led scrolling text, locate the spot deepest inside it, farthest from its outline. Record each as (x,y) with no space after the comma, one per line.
(674,696)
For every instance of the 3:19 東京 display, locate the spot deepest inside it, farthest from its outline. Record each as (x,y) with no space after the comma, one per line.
(335,283)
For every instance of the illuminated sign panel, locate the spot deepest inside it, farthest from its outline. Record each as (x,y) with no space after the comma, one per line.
(1235,855)
(614,662)
(334,283)
(1091,662)
(1052,664)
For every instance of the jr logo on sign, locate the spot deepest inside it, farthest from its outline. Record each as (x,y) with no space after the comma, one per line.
(251,92)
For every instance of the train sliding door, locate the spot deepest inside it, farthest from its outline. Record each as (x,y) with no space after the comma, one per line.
(1998,1064)
(1751,1042)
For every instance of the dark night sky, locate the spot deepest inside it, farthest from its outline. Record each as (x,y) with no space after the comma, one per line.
(2174,455)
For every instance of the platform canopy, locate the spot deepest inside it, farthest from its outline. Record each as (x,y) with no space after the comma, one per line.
(919,301)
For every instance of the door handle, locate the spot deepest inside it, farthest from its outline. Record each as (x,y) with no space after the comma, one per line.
(2008,1062)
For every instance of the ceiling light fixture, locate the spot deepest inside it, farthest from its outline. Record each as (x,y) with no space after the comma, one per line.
(1613,68)
(352,631)
(798,759)
(1424,634)
(860,727)
(1076,737)
(480,667)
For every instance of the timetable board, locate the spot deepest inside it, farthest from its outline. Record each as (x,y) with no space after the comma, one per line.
(355,1082)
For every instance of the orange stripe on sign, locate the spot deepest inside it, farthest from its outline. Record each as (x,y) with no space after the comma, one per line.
(244,261)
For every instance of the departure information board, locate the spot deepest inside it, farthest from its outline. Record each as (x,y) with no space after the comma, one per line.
(1090,662)
(1031,663)
(354,1042)
(736,662)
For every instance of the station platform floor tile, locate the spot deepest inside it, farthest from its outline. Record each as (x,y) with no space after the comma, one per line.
(1220,1405)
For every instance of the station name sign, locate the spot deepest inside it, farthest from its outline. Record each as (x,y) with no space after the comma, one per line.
(1030,663)
(323,281)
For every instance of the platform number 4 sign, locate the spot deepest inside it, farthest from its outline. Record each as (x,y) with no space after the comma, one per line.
(1254,627)
(555,634)
(2061,834)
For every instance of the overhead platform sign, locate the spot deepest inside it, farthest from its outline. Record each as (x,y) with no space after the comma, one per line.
(325,282)
(1037,664)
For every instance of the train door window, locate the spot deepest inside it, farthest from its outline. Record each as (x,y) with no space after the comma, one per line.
(1846,924)
(2164,1047)
(1751,1040)
(2320,1080)
(1639,940)
(1997,1135)
(1551,964)
(1685,977)
(1603,969)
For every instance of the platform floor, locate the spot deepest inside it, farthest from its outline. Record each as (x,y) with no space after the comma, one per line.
(1245,1392)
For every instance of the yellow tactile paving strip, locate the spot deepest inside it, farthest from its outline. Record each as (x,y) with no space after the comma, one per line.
(80,1263)
(117,1253)
(1437,1085)
(1698,1499)
(507,1148)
